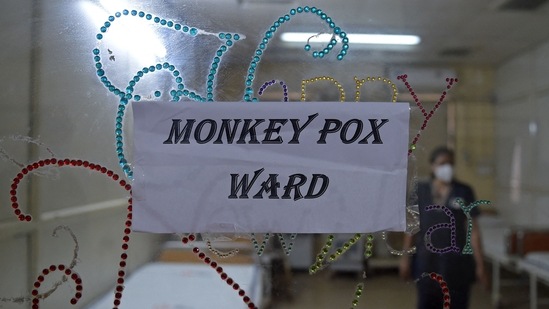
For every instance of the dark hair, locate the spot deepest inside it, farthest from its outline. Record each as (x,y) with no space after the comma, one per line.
(439,151)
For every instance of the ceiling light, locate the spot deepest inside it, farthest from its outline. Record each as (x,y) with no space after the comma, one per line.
(355,38)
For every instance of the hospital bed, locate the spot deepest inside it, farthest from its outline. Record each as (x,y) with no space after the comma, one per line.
(495,233)
(536,264)
(512,248)
(180,280)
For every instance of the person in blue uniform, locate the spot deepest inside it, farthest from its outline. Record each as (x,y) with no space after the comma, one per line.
(458,270)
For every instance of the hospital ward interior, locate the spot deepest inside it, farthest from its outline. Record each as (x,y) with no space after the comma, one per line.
(424,185)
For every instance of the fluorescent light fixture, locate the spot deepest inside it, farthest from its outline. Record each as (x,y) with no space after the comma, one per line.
(355,38)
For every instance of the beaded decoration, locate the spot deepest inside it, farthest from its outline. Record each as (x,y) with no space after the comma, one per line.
(320,261)
(220,254)
(260,248)
(427,115)
(410,251)
(322,78)
(358,293)
(71,266)
(228,39)
(412,226)
(267,84)
(181,90)
(369,246)
(468,249)
(269,34)
(68,272)
(176,95)
(360,82)
(452,226)
(287,248)
(93,167)
(224,276)
(443,286)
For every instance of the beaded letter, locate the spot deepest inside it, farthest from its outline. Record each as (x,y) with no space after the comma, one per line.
(412,226)
(260,248)
(269,34)
(468,249)
(410,251)
(180,91)
(220,254)
(358,293)
(452,226)
(443,286)
(360,82)
(228,40)
(286,247)
(427,116)
(322,78)
(369,246)
(320,261)
(267,84)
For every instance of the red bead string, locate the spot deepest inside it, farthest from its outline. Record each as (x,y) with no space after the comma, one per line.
(93,167)
(214,265)
(124,256)
(68,272)
(59,162)
(443,286)
(426,114)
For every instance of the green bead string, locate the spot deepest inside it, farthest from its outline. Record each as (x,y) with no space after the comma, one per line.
(320,261)
(468,249)
(358,292)
(269,34)
(369,246)
(287,248)
(260,248)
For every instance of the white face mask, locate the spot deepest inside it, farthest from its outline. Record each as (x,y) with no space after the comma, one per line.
(444,172)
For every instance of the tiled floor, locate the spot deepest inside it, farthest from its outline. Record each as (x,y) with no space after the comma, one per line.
(382,290)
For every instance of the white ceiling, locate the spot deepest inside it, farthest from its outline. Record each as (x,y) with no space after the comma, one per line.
(490,34)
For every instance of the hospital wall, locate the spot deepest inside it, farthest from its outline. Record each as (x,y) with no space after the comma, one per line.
(522,138)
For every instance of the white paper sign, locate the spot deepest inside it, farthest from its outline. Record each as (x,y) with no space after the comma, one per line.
(241,167)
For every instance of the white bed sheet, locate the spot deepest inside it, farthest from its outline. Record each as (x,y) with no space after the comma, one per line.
(186,286)
(536,263)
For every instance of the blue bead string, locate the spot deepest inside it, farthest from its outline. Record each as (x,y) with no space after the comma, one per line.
(127,95)
(175,94)
(269,34)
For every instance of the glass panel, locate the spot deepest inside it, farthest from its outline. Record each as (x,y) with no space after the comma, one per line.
(58,101)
